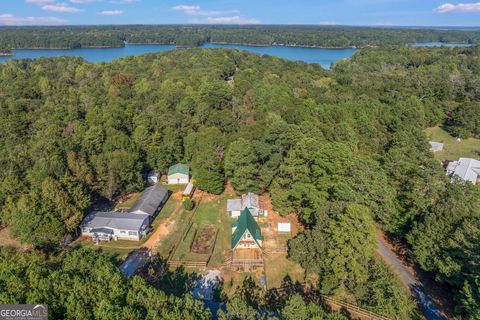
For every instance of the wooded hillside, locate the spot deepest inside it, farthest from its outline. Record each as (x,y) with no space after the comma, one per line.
(343,149)
(71,37)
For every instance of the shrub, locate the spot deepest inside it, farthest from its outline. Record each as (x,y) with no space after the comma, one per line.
(188,204)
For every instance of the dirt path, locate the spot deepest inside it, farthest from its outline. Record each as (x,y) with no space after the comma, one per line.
(163,229)
(408,277)
(7,241)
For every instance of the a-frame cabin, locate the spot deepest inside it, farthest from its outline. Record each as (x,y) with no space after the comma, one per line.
(246,233)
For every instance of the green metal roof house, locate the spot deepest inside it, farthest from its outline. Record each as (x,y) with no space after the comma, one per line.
(179,174)
(246,233)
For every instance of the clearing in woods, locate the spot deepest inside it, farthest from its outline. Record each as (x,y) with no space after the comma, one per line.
(190,239)
(453,149)
(7,241)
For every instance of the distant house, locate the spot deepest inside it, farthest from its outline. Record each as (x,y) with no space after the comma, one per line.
(153,177)
(178,174)
(284,227)
(105,226)
(435,146)
(150,201)
(466,169)
(250,201)
(246,233)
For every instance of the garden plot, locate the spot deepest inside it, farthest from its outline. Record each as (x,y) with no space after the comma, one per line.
(204,240)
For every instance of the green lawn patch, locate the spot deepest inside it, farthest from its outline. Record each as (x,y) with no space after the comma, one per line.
(208,212)
(453,149)
(175,187)
(119,253)
(166,211)
(167,243)
(278,268)
(127,204)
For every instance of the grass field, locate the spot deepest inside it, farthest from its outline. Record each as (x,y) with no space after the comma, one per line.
(278,267)
(453,149)
(119,253)
(211,210)
(208,212)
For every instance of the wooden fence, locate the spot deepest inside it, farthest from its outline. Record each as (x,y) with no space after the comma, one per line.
(335,304)
(244,262)
(187,263)
(354,309)
(185,231)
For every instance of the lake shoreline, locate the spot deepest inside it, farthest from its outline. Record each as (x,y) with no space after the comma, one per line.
(6,53)
(200,46)
(283,45)
(259,45)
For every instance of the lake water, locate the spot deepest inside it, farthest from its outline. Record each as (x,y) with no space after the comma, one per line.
(324,57)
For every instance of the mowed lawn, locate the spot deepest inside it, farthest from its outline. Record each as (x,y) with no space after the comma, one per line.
(210,211)
(453,149)
(278,268)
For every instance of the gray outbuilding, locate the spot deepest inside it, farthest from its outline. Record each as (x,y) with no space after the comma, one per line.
(150,201)
(250,201)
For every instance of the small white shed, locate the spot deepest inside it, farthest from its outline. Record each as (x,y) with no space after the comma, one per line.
(153,177)
(284,227)
(179,174)
(436,146)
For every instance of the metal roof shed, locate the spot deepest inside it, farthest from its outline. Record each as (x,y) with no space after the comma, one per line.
(150,200)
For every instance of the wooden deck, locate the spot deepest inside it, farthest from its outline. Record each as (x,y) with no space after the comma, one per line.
(245,258)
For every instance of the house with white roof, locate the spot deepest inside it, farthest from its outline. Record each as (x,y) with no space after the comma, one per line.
(105,226)
(250,201)
(467,169)
(435,146)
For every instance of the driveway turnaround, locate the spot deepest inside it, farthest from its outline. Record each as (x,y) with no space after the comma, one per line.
(429,308)
(135,261)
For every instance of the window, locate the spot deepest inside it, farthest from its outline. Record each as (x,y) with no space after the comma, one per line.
(132,233)
(123,231)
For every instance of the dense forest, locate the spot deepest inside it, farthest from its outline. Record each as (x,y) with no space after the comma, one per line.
(86,284)
(343,149)
(71,37)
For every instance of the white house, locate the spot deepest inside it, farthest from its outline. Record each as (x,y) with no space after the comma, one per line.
(250,201)
(178,174)
(150,201)
(466,169)
(104,226)
(435,146)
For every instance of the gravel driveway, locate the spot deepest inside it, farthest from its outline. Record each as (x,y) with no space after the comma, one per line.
(429,308)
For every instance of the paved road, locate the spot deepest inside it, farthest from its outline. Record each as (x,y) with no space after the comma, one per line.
(426,303)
